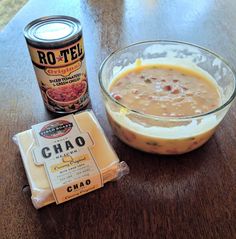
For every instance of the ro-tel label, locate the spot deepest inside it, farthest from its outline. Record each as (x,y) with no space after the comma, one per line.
(62,78)
(58,57)
(69,164)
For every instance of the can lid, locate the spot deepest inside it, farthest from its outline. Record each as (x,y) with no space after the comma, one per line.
(54,29)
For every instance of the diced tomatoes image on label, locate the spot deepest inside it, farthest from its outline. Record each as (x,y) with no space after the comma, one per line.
(67,93)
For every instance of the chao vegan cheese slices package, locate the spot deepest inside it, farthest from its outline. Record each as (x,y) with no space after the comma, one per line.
(67,157)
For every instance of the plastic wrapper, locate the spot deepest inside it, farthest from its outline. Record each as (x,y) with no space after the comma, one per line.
(106,159)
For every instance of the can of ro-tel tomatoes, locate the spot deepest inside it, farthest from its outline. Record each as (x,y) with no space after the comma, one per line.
(56,48)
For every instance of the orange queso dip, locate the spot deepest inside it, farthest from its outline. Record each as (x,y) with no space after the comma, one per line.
(165,91)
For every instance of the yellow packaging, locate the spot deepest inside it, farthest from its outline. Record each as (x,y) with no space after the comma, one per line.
(67,157)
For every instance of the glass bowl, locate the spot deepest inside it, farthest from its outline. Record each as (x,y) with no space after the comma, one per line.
(166,135)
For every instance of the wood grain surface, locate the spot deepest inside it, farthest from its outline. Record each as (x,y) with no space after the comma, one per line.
(188,196)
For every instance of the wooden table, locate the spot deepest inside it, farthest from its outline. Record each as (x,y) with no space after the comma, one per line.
(188,196)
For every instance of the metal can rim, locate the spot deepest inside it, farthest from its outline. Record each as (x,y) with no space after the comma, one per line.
(55,42)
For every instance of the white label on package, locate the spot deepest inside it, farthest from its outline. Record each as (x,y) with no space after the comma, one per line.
(73,176)
(64,150)
(58,149)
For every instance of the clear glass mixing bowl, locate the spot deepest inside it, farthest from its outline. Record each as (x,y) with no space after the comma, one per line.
(166,135)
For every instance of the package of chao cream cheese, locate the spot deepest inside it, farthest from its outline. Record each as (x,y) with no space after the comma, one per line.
(67,157)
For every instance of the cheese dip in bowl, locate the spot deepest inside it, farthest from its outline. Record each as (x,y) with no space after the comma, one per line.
(166,97)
